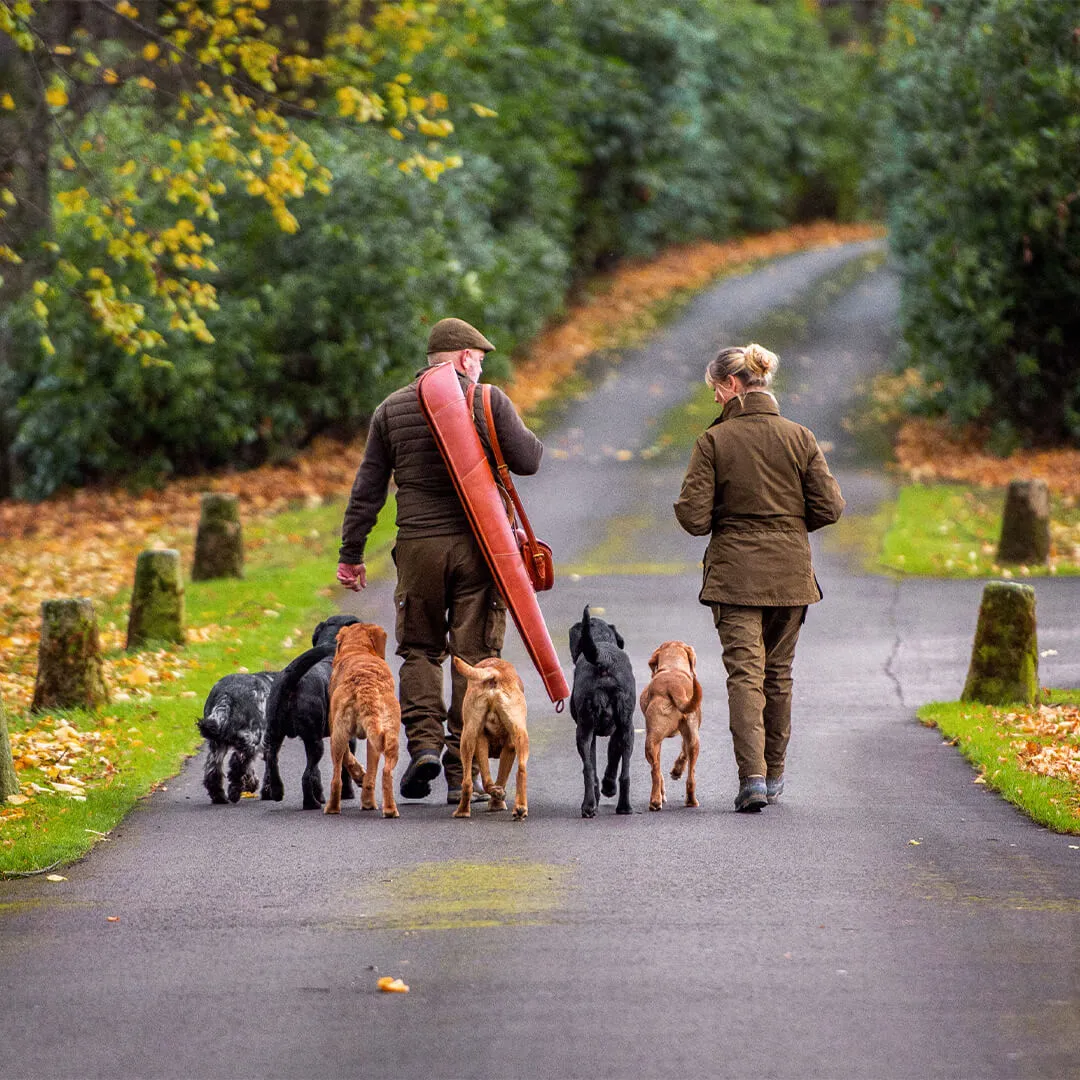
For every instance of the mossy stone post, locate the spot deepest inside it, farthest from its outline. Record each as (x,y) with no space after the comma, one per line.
(219,542)
(157,600)
(1025,524)
(9,782)
(1005,657)
(69,673)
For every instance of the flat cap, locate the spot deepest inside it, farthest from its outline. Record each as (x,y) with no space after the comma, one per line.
(449,335)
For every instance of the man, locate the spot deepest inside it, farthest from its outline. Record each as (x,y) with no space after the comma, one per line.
(445,601)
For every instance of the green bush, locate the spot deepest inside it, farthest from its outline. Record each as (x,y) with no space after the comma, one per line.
(984,144)
(621,126)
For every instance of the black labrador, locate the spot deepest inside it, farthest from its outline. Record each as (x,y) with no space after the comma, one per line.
(299,707)
(602,704)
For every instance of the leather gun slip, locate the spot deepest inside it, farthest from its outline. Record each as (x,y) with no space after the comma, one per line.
(443,405)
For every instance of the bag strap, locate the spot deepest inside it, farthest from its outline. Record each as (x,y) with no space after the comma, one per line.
(502,469)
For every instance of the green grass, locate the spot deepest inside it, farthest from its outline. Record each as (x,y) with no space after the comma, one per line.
(951,530)
(261,622)
(987,738)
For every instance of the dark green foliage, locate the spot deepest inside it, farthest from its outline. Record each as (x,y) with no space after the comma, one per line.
(984,215)
(621,126)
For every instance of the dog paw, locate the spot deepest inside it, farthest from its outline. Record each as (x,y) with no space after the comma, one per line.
(607,787)
(588,811)
(656,806)
(520,813)
(273,792)
(462,811)
(392,813)
(624,809)
(218,797)
(692,801)
(328,809)
(496,804)
(234,793)
(250,782)
(367,806)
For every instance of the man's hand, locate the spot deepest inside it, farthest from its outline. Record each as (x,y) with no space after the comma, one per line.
(352,575)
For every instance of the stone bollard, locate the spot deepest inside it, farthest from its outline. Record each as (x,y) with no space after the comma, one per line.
(1005,656)
(219,542)
(157,600)
(70,673)
(9,782)
(1025,524)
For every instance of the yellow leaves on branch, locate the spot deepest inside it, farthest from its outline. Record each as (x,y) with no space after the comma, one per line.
(237,133)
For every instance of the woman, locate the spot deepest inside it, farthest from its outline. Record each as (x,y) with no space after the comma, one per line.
(759,484)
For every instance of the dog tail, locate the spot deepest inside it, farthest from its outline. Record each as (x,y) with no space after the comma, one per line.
(687,705)
(477,674)
(212,724)
(279,702)
(588,646)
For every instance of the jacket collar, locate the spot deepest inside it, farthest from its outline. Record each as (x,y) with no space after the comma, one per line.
(755,403)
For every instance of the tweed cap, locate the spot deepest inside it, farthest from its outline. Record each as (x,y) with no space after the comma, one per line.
(449,335)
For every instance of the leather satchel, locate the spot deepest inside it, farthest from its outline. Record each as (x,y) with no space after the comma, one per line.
(535,554)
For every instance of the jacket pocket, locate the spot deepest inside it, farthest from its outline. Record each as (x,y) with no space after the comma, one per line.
(495,622)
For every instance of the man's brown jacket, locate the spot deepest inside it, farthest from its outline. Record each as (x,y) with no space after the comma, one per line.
(400,444)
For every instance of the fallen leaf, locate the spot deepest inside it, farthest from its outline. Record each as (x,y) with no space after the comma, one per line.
(56,877)
(391,985)
(112,918)
(18,799)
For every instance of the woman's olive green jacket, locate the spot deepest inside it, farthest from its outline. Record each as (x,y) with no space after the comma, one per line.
(759,484)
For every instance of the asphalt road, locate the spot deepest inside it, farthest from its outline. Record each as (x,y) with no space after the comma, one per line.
(889,918)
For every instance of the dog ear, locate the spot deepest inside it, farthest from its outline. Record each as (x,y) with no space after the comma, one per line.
(575,641)
(654,660)
(618,637)
(316,632)
(378,637)
(692,657)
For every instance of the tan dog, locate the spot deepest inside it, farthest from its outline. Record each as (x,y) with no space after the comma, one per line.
(672,706)
(363,705)
(493,721)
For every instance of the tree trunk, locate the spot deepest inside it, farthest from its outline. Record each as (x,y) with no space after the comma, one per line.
(25,133)
(157,600)
(219,543)
(69,671)
(1025,524)
(1005,656)
(9,782)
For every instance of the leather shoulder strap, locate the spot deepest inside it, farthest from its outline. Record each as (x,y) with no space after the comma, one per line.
(503,469)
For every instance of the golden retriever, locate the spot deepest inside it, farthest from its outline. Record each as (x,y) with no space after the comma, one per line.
(672,706)
(493,722)
(363,705)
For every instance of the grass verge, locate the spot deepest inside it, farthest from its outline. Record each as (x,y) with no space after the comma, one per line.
(952,530)
(81,772)
(1007,745)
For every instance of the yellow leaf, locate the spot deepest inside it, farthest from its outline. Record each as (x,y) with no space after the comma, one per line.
(56,877)
(151,51)
(56,96)
(392,986)
(110,76)
(7,101)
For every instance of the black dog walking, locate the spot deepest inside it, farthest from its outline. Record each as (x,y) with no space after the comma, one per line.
(602,704)
(299,706)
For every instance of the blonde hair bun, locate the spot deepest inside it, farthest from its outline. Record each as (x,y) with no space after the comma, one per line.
(759,361)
